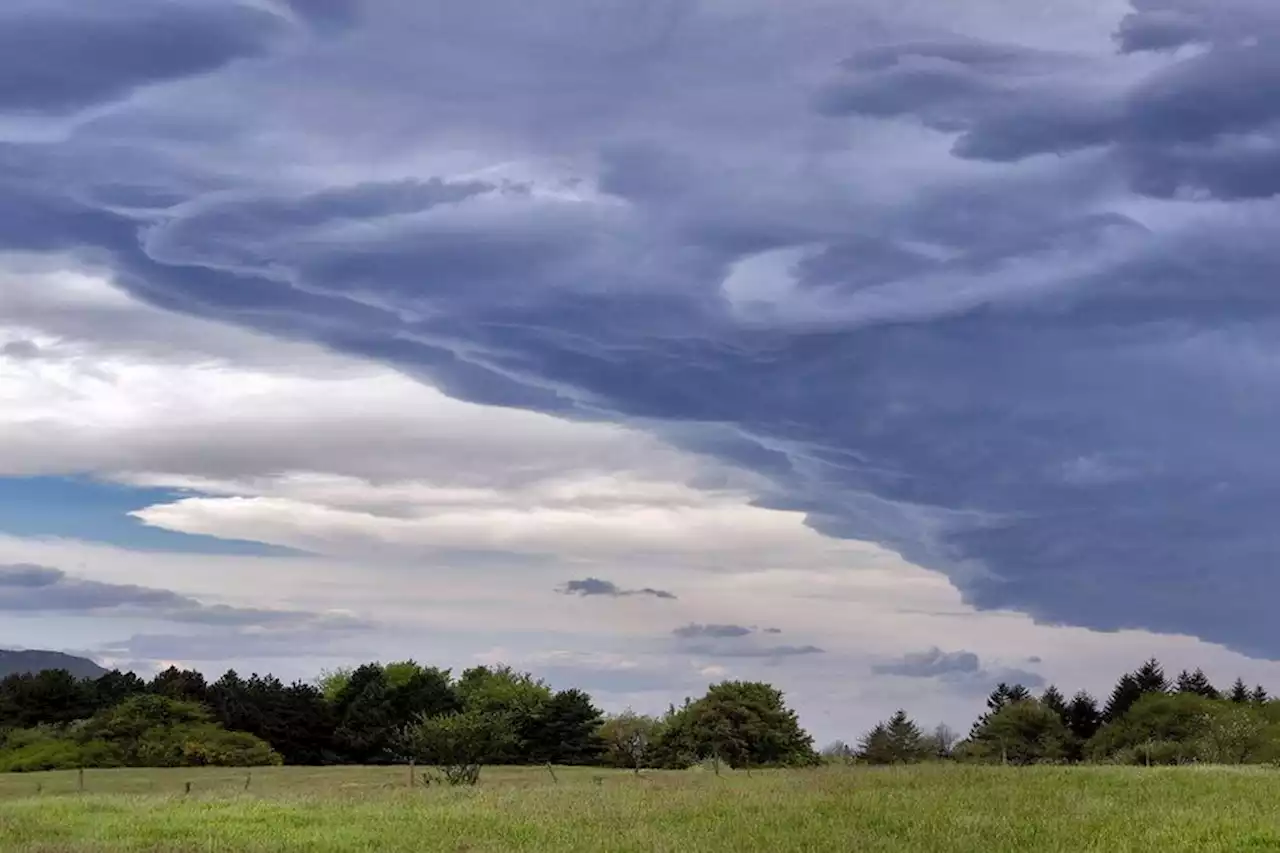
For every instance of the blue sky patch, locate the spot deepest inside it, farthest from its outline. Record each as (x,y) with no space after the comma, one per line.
(95,511)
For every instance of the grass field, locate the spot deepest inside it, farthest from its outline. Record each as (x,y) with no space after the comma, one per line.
(918,809)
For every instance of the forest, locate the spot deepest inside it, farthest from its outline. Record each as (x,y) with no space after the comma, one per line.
(405,712)
(377,714)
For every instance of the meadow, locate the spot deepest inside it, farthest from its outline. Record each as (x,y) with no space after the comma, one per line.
(925,808)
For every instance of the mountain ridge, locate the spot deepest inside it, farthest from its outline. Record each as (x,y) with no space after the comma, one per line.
(14,661)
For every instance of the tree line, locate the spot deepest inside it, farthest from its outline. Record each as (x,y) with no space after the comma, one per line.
(1147,719)
(378,714)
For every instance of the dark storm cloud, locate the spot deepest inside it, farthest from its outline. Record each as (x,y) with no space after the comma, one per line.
(58,55)
(960,668)
(595,587)
(31,589)
(1200,123)
(1028,372)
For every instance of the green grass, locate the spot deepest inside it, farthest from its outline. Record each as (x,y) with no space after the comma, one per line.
(921,809)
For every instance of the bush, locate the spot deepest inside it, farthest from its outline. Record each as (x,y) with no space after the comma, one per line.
(459,744)
(146,731)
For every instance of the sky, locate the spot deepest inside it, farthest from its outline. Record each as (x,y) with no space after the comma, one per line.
(880,350)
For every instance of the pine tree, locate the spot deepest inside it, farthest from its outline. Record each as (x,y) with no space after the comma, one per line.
(1127,691)
(905,738)
(876,747)
(1053,699)
(1198,683)
(1239,693)
(1000,697)
(1083,717)
(1259,695)
(1150,678)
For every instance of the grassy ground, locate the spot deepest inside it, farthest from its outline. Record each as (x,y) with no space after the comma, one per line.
(922,809)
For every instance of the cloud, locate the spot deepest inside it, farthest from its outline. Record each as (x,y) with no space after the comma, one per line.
(59,55)
(20,350)
(734,651)
(960,668)
(588,587)
(907,279)
(735,641)
(930,664)
(33,589)
(716,631)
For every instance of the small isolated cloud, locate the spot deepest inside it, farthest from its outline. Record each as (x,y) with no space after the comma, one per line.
(962,668)
(735,641)
(33,589)
(931,663)
(588,587)
(20,350)
(716,631)
(754,651)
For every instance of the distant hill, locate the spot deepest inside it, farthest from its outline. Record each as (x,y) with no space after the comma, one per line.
(35,661)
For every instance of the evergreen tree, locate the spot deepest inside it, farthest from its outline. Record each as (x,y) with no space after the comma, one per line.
(566,730)
(905,738)
(1198,683)
(1150,678)
(1259,695)
(1127,691)
(1002,695)
(876,746)
(184,685)
(1023,732)
(116,686)
(1083,717)
(366,724)
(1018,693)
(1053,699)
(1239,692)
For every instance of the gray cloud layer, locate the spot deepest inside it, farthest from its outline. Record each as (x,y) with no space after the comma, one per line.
(34,589)
(1037,374)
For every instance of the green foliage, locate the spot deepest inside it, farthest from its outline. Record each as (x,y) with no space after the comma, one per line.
(186,685)
(743,723)
(1238,735)
(1001,696)
(895,741)
(331,682)
(366,723)
(459,743)
(565,730)
(295,720)
(1022,732)
(1174,721)
(1123,697)
(1198,683)
(143,731)
(517,697)
(629,739)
